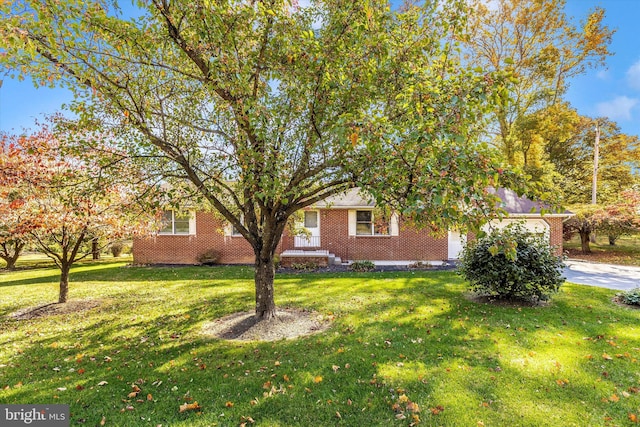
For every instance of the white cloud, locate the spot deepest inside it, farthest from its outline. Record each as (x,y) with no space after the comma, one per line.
(633,75)
(618,108)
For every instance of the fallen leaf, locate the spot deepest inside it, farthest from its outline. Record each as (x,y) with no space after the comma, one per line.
(132,394)
(149,397)
(81,371)
(101,383)
(633,418)
(338,415)
(103,421)
(335,368)
(61,389)
(228,404)
(317,379)
(614,398)
(605,356)
(413,407)
(437,410)
(79,387)
(189,407)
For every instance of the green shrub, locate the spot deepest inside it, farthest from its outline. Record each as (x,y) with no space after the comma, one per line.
(631,297)
(420,265)
(209,257)
(305,266)
(362,266)
(512,264)
(116,249)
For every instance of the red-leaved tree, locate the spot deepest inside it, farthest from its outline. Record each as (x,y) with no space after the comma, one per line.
(64,199)
(621,218)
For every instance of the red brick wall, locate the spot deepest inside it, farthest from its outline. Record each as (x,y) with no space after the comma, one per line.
(181,249)
(555,231)
(408,245)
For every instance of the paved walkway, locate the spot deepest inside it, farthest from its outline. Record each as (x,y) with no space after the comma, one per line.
(610,276)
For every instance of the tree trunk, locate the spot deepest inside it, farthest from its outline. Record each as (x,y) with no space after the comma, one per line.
(95,251)
(264,275)
(64,283)
(11,262)
(584,240)
(612,240)
(11,258)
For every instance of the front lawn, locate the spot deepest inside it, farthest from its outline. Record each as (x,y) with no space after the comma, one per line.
(403,348)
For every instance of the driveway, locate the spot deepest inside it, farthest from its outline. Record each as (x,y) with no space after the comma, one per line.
(610,276)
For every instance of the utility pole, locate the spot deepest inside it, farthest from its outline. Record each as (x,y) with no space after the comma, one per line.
(594,184)
(596,155)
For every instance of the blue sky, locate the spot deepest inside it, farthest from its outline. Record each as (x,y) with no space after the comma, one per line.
(613,91)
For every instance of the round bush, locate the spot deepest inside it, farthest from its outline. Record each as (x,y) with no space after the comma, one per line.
(512,263)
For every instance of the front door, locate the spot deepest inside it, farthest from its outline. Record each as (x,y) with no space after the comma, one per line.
(456,244)
(312,226)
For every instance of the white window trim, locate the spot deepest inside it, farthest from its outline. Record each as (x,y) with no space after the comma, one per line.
(192,224)
(394,228)
(230,230)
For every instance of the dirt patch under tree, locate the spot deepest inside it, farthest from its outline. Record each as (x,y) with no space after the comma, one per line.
(288,324)
(54,309)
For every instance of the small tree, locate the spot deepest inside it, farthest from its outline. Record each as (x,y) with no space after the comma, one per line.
(74,201)
(13,236)
(15,220)
(585,221)
(620,218)
(512,263)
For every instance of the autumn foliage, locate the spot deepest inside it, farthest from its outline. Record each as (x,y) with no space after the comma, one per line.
(58,199)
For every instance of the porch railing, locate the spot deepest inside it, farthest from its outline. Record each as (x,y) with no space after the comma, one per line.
(306,241)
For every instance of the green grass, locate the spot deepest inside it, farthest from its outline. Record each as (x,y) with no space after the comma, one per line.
(626,251)
(573,363)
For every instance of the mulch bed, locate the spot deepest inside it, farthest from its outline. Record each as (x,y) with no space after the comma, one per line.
(53,309)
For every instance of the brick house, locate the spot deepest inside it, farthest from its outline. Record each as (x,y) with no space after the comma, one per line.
(340,229)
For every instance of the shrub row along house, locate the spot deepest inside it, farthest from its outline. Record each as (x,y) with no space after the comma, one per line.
(341,229)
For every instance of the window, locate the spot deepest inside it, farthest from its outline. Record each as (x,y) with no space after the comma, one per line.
(368,225)
(234,230)
(311,219)
(175,223)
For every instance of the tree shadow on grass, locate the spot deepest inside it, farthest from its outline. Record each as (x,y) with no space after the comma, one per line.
(392,335)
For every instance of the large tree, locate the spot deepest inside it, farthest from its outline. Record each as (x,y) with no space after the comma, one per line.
(542,49)
(570,148)
(64,203)
(266,107)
